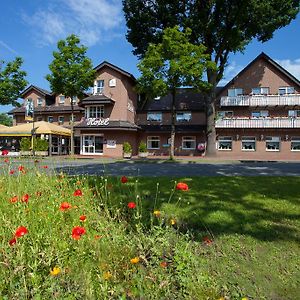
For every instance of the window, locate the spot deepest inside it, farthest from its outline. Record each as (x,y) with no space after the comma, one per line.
(286,90)
(61,120)
(260,91)
(183,116)
(272,143)
(74,119)
(235,92)
(95,111)
(154,116)
(225,114)
(99,86)
(294,113)
(295,143)
(153,142)
(225,143)
(260,114)
(39,102)
(50,119)
(74,99)
(188,142)
(61,100)
(248,143)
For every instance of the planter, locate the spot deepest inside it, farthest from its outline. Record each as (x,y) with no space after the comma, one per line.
(143,154)
(41,153)
(127,155)
(25,153)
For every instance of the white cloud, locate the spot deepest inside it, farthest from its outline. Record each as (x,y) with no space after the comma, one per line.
(293,66)
(89,19)
(230,71)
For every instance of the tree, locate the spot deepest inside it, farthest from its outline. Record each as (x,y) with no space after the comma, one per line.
(222,26)
(12,81)
(5,120)
(171,64)
(72,73)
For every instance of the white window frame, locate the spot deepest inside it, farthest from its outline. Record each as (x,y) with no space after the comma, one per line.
(72,121)
(188,139)
(99,87)
(294,113)
(226,139)
(260,91)
(234,92)
(295,139)
(60,100)
(151,139)
(261,114)
(225,114)
(39,101)
(154,113)
(286,90)
(49,119)
(248,139)
(61,122)
(74,99)
(273,139)
(182,120)
(97,111)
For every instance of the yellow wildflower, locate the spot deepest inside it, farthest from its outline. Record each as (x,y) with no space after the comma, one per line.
(55,271)
(135,260)
(245,298)
(107,275)
(156,213)
(172,221)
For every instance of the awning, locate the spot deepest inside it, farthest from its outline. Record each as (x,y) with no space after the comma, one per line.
(40,127)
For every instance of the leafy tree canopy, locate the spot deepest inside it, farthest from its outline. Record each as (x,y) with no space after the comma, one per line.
(72,70)
(6,120)
(12,81)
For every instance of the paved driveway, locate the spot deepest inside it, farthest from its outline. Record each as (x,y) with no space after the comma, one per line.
(96,167)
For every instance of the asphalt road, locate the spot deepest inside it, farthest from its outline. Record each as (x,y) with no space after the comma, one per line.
(114,168)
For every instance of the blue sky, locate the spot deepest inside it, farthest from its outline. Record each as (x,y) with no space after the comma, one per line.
(31,29)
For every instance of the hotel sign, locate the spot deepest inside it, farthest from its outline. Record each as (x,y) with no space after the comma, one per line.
(97,121)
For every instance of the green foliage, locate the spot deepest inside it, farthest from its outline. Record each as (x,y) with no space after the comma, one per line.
(25,144)
(12,81)
(41,145)
(6,120)
(71,71)
(173,63)
(127,148)
(142,147)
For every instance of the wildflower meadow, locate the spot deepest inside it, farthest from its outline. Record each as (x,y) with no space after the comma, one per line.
(80,237)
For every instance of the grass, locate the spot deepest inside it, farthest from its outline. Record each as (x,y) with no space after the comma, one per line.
(253,224)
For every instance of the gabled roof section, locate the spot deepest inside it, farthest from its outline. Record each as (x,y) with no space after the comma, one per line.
(109,65)
(269,60)
(37,89)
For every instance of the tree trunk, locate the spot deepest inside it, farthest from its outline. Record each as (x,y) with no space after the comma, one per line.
(72,129)
(210,115)
(173,113)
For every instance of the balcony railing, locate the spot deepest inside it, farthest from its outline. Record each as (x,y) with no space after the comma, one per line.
(261,100)
(258,123)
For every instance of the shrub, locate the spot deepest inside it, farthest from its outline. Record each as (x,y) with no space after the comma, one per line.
(41,145)
(142,147)
(127,147)
(25,144)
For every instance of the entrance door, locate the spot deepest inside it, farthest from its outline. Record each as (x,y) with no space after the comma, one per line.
(98,144)
(92,144)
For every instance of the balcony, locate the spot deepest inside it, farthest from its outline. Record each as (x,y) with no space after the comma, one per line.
(258,123)
(261,100)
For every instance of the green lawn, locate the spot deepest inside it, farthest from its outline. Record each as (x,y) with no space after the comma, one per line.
(253,224)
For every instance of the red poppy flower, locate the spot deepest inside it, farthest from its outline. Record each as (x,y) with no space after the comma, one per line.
(207,240)
(6,160)
(25,198)
(97,237)
(14,199)
(78,192)
(12,241)
(21,231)
(45,167)
(4,152)
(82,218)
(131,205)
(21,168)
(124,179)
(38,194)
(163,264)
(65,206)
(77,232)
(11,172)
(182,186)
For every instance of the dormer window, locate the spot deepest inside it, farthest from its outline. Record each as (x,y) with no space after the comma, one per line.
(235,92)
(39,102)
(61,100)
(286,90)
(95,111)
(154,116)
(183,116)
(74,99)
(99,87)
